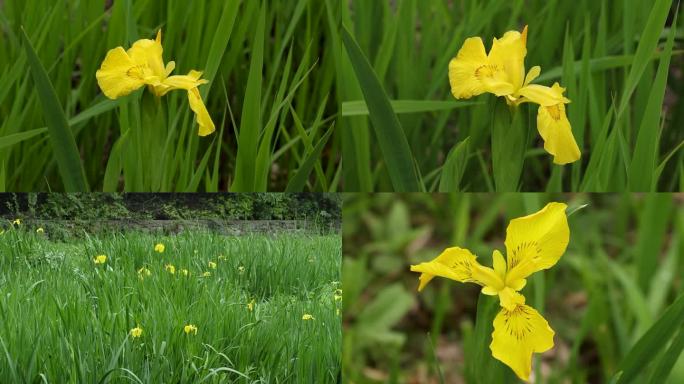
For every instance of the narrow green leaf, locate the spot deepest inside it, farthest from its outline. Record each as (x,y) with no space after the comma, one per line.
(359,108)
(220,42)
(10,140)
(655,339)
(63,143)
(508,146)
(298,181)
(250,124)
(642,170)
(454,167)
(667,361)
(388,130)
(648,41)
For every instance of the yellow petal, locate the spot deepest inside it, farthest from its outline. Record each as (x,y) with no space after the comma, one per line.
(542,95)
(536,241)
(554,127)
(149,52)
(186,82)
(517,335)
(462,69)
(509,299)
(206,126)
(509,52)
(457,264)
(532,74)
(499,264)
(118,75)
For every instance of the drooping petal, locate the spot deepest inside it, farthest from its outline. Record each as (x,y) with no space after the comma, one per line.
(509,52)
(118,75)
(544,96)
(457,264)
(554,127)
(536,241)
(462,69)
(206,125)
(519,333)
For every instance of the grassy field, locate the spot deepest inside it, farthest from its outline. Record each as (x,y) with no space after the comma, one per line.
(67,319)
(270,95)
(615,299)
(403,130)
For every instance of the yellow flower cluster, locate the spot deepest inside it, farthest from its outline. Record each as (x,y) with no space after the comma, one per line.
(533,243)
(502,72)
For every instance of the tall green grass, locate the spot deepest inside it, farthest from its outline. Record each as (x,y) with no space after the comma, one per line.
(614,299)
(270,76)
(618,61)
(65,319)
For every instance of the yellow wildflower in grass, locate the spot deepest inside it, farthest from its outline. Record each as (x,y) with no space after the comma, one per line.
(212,265)
(251,305)
(184,272)
(170,268)
(124,71)
(143,273)
(533,243)
(190,328)
(16,222)
(136,332)
(307,317)
(206,274)
(241,269)
(40,230)
(159,247)
(100,259)
(502,72)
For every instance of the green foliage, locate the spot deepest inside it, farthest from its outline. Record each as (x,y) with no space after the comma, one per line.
(616,60)
(614,298)
(58,132)
(86,311)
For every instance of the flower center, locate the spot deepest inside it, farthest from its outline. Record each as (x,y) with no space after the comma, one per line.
(486,71)
(136,72)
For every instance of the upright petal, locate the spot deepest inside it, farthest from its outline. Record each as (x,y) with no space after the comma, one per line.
(536,241)
(118,75)
(206,125)
(509,52)
(149,52)
(457,264)
(554,127)
(519,333)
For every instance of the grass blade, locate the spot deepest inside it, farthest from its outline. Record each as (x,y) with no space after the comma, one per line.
(297,182)
(359,107)
(388,130)
(652,342)
(63,143)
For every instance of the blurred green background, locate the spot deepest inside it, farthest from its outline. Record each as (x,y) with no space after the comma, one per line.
(624,267)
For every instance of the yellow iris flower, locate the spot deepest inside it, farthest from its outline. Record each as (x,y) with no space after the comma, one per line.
(251,304)
(190,328)
(136,332)
(100,259)
(143,273)
(212,265)
(307,317)
(170,268)
(124,71)
(502,72)
(159,247)
(533,243)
